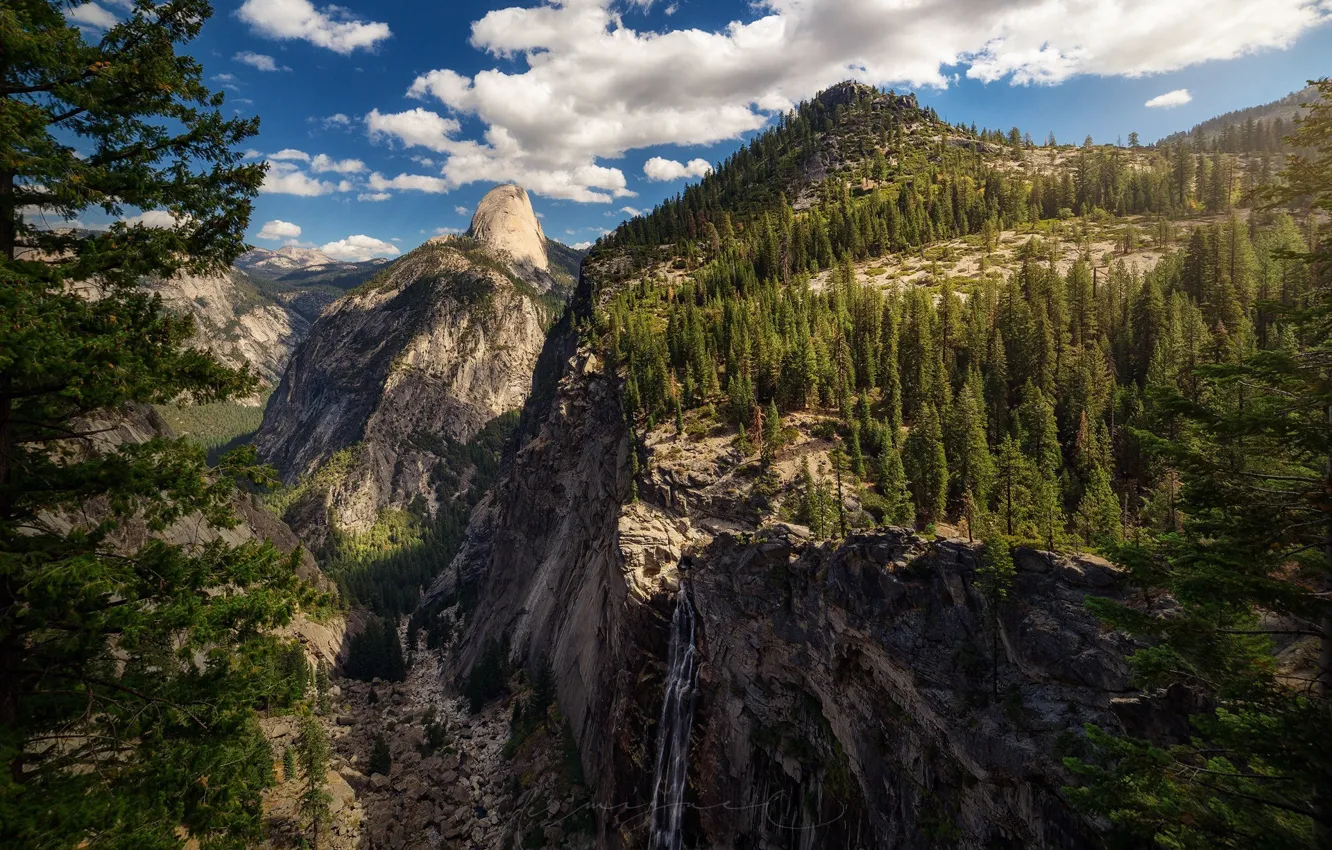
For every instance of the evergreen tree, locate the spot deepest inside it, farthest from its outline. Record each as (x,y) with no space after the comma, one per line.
(381,758)
(117,655)
(1098,515)
(997,575)
(926,464)
(315,802)
(1249,566)
(898,507)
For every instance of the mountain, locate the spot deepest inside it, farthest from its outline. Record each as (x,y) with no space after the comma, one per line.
(236,320)
(699,528)
(1261,128)
(262,262)
(382,416)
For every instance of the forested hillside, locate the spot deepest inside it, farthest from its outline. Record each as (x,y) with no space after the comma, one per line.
(1257,129)
(1139,373)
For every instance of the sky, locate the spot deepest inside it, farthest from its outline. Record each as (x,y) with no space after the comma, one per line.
(385,122)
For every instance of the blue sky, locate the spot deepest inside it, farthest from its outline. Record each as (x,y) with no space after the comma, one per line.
(396,117)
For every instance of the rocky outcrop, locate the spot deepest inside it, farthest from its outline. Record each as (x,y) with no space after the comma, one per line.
(419,358)
(234,321)
(853,695)
(504,220)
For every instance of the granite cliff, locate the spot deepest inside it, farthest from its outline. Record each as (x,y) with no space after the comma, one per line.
(852,694)
(419,358)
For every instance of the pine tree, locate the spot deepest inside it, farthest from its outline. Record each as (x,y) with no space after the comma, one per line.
(898,508)
(115,656)
(315,802)
(381,758)
(1252,560)
(997,575)
(1098,515)
(926,464)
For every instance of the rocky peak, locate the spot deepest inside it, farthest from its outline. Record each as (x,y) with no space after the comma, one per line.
(505,221)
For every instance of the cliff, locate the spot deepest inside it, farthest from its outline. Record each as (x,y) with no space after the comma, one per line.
(852,694)
(235,321)
(397,374)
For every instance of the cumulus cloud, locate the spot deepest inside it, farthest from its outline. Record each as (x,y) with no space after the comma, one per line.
(631,211)
(374,196)
(277,229)
(323,162)
(448,231)
(291,155)
(259,60)
(659,168)
(156,218)
(286,178)
(91,15)
(332,27)
(413,182)
(359,248)
(338,119)
(588,88)
(1178,97)
(581,246)
(462,210)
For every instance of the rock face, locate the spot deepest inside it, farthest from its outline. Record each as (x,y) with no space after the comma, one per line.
(235,321)
(424,354)
(847,694)
(504,220)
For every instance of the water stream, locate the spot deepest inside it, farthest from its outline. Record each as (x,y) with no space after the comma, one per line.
(677,718)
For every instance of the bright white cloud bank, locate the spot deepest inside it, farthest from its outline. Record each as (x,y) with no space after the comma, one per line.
(359,248)
(594,89)
(1178,97)
(659,168)
(286,178)
(279,229)
(333,27)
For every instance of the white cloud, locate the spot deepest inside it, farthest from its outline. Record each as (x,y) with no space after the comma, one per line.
(462,210)
(290,155)
(285,178)
(332,27)
(413,182)
(448,231)
(252,154)
(156,218)
(277,229)
(374,196)
(359,248)
(92,15)
(225,78)
(659,168)
(337,119)
(588,88)
(323,162)
(581,246)
(1178,97)
(259,60)
(634,211)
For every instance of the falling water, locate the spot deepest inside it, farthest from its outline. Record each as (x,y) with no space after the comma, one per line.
(677,717)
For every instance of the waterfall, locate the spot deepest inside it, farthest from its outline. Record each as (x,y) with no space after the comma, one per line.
(677,718)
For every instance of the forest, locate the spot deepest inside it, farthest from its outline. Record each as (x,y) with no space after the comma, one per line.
(1174,419)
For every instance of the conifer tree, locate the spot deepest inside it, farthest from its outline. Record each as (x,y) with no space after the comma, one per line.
(315,802)
(898,507)
(1250,565)
(115,655)
(926,464)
